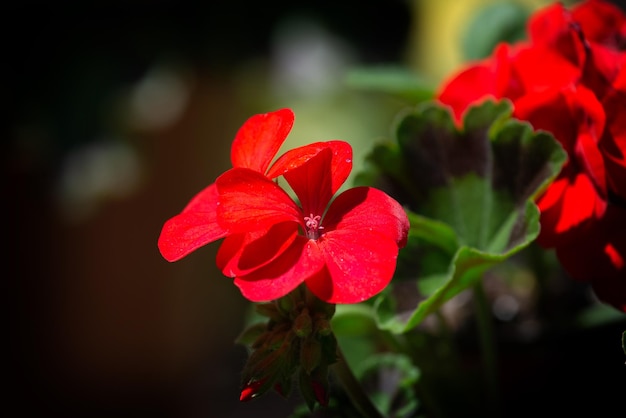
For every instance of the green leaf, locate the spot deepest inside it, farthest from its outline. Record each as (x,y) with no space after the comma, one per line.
(392,377)
(392,80)
(470,194)
(440,242)
(499,22)
(249,335)
(597,315)
(434,232)
(353,320)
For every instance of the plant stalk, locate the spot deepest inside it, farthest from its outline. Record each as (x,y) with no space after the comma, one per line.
(353,388)
(488,347)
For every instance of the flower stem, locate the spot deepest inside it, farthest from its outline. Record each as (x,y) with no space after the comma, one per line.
(488,347)
(353,388)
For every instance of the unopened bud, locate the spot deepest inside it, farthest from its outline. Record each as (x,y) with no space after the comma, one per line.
(286,304)
(321,394)
(322,326)
(310,354)
(303,325)
(251,390)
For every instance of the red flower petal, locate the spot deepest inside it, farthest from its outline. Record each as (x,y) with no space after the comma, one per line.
(294,158)
(312,183)
(470,85)
(599,257)
(566,206)
(300,261)
(601,21)
(615,160)
(364,230)
(251,389)
(323,174)
(602,68)
(370,210)
(341,161)
(194,227)
(359,264)
(556,69)
(249,201)
(576,119)
(239,254)
(579,204)
(553,28)
(492,77)
(613,143)
(592,161)
(321,394)
(260,138)
(547,110)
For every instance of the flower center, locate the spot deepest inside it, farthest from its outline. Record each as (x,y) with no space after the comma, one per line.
(312,224)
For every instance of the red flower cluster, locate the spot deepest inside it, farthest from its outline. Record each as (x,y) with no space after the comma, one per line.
(569,78)
(345,251)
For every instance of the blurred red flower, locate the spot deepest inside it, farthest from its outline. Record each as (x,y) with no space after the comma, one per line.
(569,78)
(345,251)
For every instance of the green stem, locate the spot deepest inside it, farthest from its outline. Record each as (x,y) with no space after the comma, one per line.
(488,347)
(353,388)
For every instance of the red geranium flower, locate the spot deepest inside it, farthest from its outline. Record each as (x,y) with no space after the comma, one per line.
(577,120)
(569,79)
(345,252)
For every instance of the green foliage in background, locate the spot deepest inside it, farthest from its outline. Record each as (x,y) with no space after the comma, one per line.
(470,195)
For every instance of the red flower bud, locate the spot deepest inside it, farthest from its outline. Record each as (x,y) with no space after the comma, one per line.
(251,389)
(320,393)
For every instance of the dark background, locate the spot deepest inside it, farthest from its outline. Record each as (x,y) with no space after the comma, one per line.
(99,324)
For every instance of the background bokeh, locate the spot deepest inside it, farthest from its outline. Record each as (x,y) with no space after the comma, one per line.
(116,114)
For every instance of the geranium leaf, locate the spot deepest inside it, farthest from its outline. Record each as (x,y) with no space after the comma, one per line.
(392,80)
(492,24)
(471,190)
(353,320)
(391,379)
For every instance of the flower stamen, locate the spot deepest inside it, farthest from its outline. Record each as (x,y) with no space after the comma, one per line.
(313,226)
